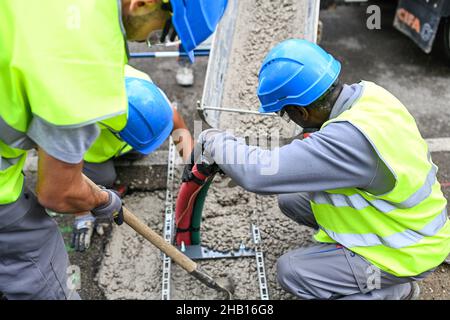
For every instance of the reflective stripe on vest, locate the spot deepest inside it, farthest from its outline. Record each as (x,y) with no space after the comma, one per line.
(14,138)
(358,202)
(5,163)
(396,241)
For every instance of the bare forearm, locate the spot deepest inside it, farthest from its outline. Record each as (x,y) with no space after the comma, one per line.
(84,199)
(182,136)
(62,187)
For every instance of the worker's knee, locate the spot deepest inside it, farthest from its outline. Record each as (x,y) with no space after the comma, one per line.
(287,276)
(297,208)
(285,204)
(294,276)
(284,273)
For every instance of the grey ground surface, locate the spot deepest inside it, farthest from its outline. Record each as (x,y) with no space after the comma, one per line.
(390,59)
(384,56)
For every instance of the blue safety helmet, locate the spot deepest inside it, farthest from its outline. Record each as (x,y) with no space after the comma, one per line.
(150,116)
(196,20)
(295,72)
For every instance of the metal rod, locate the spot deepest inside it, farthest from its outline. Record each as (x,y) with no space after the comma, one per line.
(243,111)
(168,54)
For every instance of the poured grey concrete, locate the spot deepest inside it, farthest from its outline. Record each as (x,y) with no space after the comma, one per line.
(384,56)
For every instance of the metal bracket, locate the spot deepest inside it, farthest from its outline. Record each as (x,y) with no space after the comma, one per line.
(198,252)
(168,221)
(263,288)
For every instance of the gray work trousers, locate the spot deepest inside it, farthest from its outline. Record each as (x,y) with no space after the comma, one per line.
(103,173)
(330,271)
(33,259)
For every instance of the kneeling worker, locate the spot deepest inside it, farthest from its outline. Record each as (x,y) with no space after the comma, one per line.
(365,181)
(150,121)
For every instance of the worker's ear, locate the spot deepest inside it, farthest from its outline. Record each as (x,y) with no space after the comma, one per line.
(304,113)
(136,6)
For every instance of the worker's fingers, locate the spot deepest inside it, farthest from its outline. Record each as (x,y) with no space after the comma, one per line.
(87,238)
(99,229)
(81,239)
(75,236)
(81,244)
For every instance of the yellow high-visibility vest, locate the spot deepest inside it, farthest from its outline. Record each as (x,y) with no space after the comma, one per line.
(62,61)
(405,231)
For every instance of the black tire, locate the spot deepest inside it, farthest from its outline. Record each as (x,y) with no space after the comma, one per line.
(442,41)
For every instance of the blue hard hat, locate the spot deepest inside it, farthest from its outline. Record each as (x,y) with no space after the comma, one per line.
(295,72)
(150,116)
(196,20)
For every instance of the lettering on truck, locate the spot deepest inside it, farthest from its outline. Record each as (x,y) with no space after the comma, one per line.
(409,19)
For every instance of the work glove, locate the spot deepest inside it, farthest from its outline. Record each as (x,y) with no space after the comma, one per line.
(201,157)
(112,209)
(201,149)
(82,230)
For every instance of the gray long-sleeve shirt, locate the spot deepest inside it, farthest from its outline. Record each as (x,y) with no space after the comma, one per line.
(338,156)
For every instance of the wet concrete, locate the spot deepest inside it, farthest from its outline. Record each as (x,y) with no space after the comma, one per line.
(228,212)
(384,56)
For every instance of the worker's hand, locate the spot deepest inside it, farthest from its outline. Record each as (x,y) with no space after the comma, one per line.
(200,157)
(207,135)
(201,149)
(83,228)
(111,210)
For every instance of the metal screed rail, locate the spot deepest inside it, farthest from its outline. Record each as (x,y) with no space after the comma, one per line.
(168,221)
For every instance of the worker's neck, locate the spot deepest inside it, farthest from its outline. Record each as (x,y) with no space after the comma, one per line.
(343,98)
(125,7)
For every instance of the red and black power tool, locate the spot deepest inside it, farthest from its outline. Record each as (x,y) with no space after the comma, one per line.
(189,205)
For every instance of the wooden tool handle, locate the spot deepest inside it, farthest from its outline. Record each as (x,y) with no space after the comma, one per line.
(158,241)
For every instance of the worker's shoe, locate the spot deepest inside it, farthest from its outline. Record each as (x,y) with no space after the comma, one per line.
(185,76)
(415,291)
